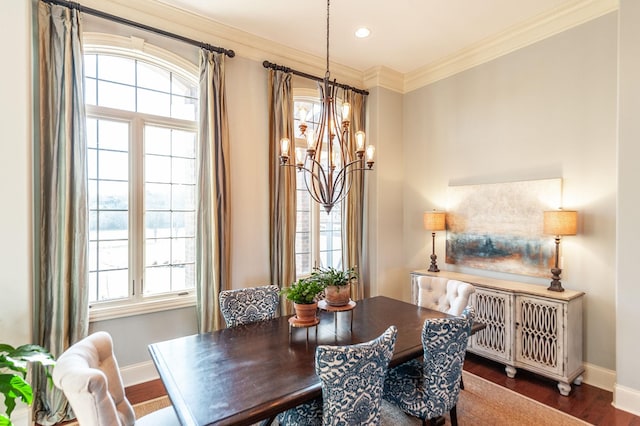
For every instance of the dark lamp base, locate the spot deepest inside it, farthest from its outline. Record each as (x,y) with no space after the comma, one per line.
(434,265)
(556,285)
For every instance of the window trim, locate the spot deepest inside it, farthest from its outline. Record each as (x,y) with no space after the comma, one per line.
(135,48)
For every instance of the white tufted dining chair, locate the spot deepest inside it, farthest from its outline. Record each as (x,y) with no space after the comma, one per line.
(88,375)
(443,294)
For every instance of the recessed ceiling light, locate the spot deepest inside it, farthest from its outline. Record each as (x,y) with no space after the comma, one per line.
(363,32)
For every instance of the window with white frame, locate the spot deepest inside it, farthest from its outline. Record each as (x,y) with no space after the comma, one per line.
(141,137)
(318,234)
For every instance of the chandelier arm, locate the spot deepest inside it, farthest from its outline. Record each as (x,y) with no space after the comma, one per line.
(318,198)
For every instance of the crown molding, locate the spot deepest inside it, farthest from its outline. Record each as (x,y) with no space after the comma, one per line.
(531,31)
(246,45)
(384,77)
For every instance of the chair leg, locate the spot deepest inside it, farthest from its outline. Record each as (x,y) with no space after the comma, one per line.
(461,383)
(454,416)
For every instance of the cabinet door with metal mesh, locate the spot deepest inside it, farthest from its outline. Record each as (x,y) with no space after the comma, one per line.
(539,331)
(493,308)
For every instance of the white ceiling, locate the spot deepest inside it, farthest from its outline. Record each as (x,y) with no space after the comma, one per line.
(406,34)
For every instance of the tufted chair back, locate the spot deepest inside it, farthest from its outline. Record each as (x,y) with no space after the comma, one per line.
(443,294)
(247,305)
(88,375)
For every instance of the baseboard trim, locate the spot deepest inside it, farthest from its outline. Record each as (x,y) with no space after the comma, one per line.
(599,377)
(139,373)
(626,399)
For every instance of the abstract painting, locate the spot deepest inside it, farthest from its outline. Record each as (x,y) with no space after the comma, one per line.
(498,226)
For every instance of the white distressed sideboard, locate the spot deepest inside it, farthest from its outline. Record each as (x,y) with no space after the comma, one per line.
(528,326)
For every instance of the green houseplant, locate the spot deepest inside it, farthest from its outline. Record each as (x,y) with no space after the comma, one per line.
(304,295)
(336,284)
(13,374)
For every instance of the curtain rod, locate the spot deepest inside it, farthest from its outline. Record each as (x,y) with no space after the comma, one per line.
(100,14)
(273,66)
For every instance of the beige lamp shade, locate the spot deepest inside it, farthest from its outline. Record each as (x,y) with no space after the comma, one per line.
(560,222)
(434,221)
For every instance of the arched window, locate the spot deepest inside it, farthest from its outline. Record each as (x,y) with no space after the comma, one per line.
(141,136)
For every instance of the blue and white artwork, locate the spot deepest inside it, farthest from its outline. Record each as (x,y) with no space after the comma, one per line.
(498,226)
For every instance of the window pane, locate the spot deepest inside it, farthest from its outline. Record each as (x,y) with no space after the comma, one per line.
(183,277)
(157,140)
(113,195)
(118,96)
(184,224)
(116,69)
(90,91)
(151,102)
(92,163)
(113,255)
(183,197)
(183,107)
(113,284)
(158,224)
(157,251)
(182,87)
(113,225)
(157,196)
(90,66)
(183,170)
(157,280)
(153,77)
(183,250)
(113,135)
(157,169)
(183,144)
(92,133)
(113,165)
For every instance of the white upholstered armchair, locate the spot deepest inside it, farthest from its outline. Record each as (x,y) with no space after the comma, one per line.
(443,294)
(89,376)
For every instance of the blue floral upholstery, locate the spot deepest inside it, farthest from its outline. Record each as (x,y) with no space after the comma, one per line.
(247,305)
(431,389)
(352,380)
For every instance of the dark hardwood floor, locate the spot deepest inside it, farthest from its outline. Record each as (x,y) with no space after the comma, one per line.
(585,402)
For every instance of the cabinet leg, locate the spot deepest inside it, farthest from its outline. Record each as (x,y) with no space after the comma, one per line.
(578,380)
(564,388)
(511,371)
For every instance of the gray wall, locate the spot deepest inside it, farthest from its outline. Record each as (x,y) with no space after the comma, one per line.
(628,231)
(545,111)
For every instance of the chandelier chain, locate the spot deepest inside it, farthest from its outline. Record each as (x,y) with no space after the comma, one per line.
(327,75)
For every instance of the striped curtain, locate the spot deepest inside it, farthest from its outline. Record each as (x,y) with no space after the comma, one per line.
(353,212)
(213,227)
(282,186)
(60,312)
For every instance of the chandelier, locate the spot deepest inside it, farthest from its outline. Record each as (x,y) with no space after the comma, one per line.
(327,163)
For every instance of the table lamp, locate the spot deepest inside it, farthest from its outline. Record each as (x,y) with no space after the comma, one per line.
(434,221)
(559,223)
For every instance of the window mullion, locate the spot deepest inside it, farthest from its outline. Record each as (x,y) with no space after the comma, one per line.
(136,171)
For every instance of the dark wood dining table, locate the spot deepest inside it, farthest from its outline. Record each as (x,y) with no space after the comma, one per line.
(244,374)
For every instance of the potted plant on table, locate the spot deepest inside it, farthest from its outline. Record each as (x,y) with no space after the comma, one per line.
(336,284)
(304,295)
(13,375)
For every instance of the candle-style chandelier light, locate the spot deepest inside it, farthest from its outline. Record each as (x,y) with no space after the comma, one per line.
(328,177)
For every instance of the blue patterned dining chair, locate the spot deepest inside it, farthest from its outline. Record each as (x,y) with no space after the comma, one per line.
(430,389)
(247,305)
(352,378)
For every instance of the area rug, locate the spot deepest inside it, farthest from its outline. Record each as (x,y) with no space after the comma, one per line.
(481,403)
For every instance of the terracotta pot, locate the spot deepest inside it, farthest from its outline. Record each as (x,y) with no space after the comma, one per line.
(306,312)
(337,295)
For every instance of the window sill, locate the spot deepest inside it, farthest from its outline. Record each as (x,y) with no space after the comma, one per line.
(103,313)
